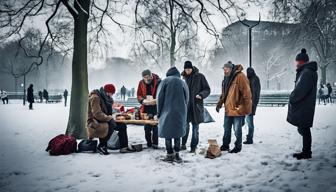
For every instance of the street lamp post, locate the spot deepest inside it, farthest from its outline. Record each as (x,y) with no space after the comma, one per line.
(250,27)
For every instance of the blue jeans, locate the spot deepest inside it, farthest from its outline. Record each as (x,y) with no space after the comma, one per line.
(194,137)
(169,145)
(250,124)
(237,123)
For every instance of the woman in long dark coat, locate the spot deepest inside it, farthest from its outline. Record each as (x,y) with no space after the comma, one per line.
(30,96)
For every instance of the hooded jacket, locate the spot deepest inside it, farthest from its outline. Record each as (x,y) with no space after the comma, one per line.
(172,102)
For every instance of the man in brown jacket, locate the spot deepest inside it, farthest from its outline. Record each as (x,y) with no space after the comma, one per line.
(237,99)
(100,122)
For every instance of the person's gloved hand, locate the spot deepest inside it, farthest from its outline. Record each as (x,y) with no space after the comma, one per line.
(218,107)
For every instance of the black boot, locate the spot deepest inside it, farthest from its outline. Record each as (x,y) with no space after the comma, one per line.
(248,142)
(193,150)
(183,147)
(169,158)
(235,150)
(225,148)
(102,149)
(178,159)
(302,155)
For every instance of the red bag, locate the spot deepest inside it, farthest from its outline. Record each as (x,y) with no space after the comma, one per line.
(62,145)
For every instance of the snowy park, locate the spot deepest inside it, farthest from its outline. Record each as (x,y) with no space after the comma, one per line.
(267,165)
(168,95)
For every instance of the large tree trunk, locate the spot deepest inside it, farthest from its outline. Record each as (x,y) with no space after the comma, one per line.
(323,74)
(79,89)
(172,49)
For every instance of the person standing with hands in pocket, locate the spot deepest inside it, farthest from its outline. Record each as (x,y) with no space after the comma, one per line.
(199,89)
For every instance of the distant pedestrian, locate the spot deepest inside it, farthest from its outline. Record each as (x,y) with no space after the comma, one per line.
(65,95)
(330,90)
(123,91)
(132,91)
(40,94)
(4,97)
(30,96)
(46,95)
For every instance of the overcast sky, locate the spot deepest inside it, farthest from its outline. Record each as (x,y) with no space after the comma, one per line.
(122,43)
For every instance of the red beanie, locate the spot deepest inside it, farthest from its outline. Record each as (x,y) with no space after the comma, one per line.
(109,88)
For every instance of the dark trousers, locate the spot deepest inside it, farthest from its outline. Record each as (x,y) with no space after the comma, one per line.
(65,101)
(306,138)
(5,99)
(249,119)
(30,105)
(151,135)
(169,145)
(122,133)
(194,137)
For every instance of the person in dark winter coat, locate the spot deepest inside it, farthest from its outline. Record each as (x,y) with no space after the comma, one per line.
(172,102)
(329,93)
(255,90)
(199,89)
(46,95)
(100,122)
(237,99)
(65,95)
(147,88)
(301,106)
(30,96)
(40,94)
(123,92)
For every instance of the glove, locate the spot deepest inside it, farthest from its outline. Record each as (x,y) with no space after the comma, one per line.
(218,107)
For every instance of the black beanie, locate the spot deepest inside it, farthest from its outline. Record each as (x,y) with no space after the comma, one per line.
(188,65)
(146,72)
(302,56)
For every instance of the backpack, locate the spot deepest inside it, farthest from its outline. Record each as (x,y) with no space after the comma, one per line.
(62,145)
(87,145)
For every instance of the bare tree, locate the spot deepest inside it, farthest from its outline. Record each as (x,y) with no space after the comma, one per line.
(172,26)
(317,19)
(65,21)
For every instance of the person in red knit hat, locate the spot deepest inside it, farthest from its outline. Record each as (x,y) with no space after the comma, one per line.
(100,123)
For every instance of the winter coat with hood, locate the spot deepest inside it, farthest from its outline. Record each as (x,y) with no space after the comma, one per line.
(301,106)
(198,85)
(236,93)
(172,102)
(99,114)
(255,88)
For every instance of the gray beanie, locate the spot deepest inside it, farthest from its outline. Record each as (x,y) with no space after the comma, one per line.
(229,64)
(146,72)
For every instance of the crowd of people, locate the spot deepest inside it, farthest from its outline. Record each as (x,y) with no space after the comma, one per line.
(178,102)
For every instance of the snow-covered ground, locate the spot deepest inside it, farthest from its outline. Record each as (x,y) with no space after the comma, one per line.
(265,166)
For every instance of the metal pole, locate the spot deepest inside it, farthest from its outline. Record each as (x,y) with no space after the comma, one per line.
(250,38)
(250,45)
(24,89)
